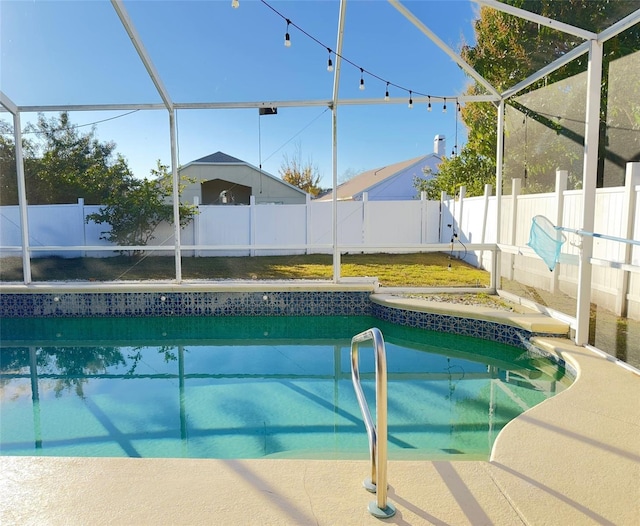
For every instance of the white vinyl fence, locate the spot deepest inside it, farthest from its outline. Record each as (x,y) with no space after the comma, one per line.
(615,265)
(228,230)
(385,226)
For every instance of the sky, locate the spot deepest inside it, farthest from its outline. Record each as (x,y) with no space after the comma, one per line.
(78,53)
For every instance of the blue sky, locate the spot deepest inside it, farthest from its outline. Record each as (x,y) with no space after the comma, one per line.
(64,52)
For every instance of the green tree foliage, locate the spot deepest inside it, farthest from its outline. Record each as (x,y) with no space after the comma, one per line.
(303,175)
(508,49)
(135,210)
(61,164)
(8,174)
(467,169)
(75,164)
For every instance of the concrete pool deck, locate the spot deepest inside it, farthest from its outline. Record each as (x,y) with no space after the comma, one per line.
(572,460)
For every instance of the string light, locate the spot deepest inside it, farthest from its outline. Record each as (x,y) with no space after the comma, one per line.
(235,4)
(287,40)
(330,66)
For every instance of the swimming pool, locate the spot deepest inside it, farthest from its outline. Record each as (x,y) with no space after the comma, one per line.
(251,387)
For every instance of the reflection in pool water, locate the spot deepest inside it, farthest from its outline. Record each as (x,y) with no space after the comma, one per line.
(248,387)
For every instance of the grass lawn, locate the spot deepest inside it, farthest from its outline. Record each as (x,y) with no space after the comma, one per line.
(392,270)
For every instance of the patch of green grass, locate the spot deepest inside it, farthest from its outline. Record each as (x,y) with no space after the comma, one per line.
(392,270)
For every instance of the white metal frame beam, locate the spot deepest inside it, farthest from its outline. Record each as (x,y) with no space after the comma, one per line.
(450,52)
(334,140)
(550,68)
(164,94)
(620,26)
(8,104)
(248,104)
(537,19)
(142,52)
(11,106)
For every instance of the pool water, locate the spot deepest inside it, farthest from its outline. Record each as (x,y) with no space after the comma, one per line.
(250,387)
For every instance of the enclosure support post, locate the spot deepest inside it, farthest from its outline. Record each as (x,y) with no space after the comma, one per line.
(496,256)
(589,179)
(561,186)
(632,179)
(176,196)
(22,200)
(334,143)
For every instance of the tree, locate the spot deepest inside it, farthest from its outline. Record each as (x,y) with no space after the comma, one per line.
(8,174)
(468,169)
(135,210)
(509,49)
(304,176)
(62,164)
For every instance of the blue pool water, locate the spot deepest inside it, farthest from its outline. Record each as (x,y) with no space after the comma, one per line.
(249,387)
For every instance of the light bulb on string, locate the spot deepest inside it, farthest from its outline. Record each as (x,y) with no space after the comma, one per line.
(329,62)
(287,39)
(386,93)
(235,4)
(361,79)
(444,108)
(429,103)
(410,100)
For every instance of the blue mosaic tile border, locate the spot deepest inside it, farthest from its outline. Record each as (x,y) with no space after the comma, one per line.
(486,330)
(141,304)
(294,303)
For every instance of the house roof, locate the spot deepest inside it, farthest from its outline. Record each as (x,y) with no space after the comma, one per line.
(364,181)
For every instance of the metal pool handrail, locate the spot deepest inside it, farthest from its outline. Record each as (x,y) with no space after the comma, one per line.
(377,433)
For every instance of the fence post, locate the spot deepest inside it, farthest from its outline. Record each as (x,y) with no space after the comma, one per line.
(632,179)
(365,218)
(516,184)
(485,213)
(307,209)
(196,226)
(252,224)
(443,198)
(423,217)
(562,177)
(83,254)
(462,193)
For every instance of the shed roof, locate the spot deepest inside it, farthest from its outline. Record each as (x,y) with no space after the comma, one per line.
(226,159)
(218,157)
